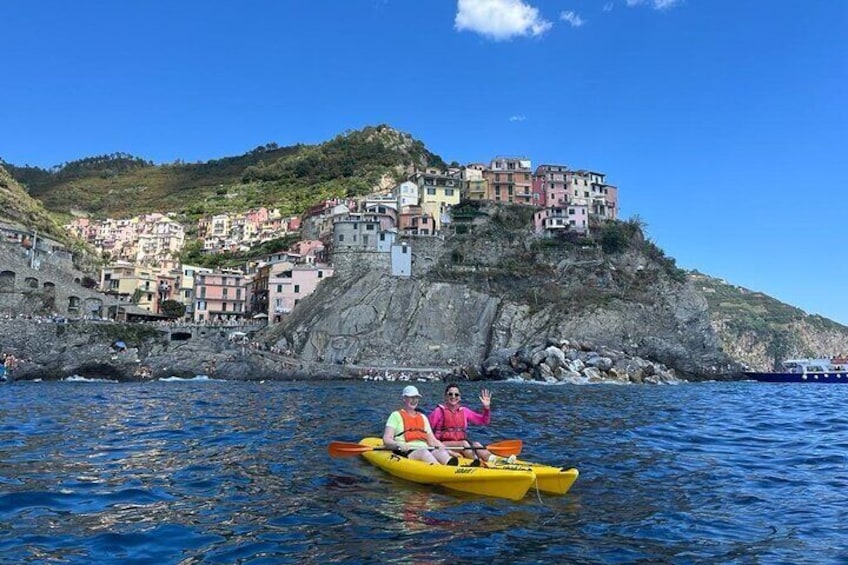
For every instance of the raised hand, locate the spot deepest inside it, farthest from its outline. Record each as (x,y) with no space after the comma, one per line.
(485,398)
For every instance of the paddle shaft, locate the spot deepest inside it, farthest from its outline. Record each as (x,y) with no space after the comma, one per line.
(346,449)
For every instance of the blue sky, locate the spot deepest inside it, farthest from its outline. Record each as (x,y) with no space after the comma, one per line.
(723,123)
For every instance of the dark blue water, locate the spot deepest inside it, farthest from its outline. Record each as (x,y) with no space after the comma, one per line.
(226,472)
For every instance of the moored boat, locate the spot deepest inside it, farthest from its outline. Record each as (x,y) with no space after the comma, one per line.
(511,484)
(832,371)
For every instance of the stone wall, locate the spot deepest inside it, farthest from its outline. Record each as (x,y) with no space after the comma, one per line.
(353,263)
(426,251)
(50,288)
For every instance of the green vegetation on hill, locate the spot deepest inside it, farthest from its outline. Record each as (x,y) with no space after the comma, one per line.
(192,253)
(493,250)
(759,318)
(289,178)
(17,207)
(748,310)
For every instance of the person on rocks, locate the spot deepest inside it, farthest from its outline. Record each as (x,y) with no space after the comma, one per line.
(408,433)
(450,423)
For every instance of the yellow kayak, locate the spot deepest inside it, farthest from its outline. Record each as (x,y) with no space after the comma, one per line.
(512,484)
(550,480)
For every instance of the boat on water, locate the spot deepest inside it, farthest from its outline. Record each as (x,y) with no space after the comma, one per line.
(549,479)
(510,481)
(833,370)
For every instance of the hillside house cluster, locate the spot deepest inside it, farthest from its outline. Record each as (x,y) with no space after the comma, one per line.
(145,269)
(147,239)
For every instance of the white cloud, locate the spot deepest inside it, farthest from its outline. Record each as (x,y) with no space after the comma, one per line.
(517,118)
(656,4)
(608,7)
(572,18)
(499,19)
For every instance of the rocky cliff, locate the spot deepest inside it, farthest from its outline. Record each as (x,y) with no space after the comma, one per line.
(496,287)
(53,351)
(493,286)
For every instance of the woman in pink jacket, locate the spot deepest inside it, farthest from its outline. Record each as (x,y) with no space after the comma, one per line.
(450,422)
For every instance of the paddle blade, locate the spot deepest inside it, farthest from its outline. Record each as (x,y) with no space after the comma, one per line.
(506,447)
(347,449)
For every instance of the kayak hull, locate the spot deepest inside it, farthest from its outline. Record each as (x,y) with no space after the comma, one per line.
(511,484)
(549,480)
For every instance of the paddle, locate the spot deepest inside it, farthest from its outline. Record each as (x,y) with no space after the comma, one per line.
(504,448)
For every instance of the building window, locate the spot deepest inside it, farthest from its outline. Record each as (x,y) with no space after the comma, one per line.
(297,289)
(320,274)
(431,191)
(279,288)
(341,237)
(448,192)
(223,307)
(369,227)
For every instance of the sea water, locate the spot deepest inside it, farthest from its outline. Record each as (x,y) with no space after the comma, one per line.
(208,471)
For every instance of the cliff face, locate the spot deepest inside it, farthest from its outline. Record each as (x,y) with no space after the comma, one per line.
(499,288)
(760,332)
(378,320)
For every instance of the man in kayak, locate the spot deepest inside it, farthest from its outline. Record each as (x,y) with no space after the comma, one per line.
(408,433)
(450,422)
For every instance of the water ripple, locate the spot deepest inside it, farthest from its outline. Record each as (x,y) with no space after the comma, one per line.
(218,472)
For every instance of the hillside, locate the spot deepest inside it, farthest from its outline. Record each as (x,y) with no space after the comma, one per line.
(19,209)
(495,287)
(617,287)
(760,331)
(289,178)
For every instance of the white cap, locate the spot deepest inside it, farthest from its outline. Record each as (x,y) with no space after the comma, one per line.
(411,391)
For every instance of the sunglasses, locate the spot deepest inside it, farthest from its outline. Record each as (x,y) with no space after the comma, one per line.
(454,394)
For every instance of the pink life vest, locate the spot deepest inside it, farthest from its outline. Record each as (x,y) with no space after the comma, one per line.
(452,426)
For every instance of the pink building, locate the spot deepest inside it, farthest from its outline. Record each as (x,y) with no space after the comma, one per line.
(309,251)
(540,197)
(552,184)
(219,296)
(257,216)
(286,288)
(414,221)
(510,180)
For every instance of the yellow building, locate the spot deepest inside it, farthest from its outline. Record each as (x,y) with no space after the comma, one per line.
(129,282)
(438,193)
